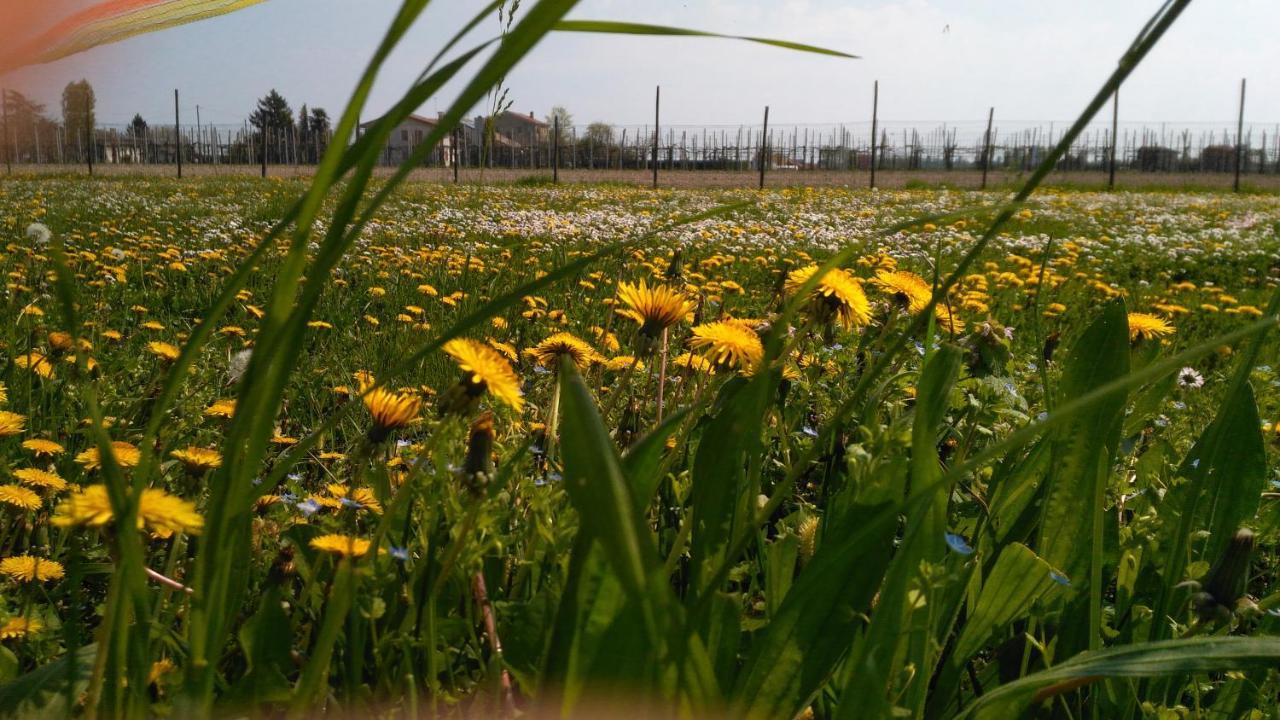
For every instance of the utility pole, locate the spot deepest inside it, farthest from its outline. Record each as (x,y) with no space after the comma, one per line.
(1239,139)
(4,101)
(764,146)
(986,148)
(555,150)
(875,110)
(1115,136)
(199,134)
(177,131)
(657,96)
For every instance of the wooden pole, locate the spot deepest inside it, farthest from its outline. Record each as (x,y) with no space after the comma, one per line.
(764,146)
(1235,186)
(177,131)
(657,97)
(875,110)
(555,150)
(1115,137)
(88,125)
(264,144)
(986,147)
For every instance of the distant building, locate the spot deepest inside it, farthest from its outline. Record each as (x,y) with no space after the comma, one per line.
(512,129)
(408,135)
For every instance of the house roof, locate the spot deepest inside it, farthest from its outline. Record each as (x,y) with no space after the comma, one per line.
(526,118)
(418,118)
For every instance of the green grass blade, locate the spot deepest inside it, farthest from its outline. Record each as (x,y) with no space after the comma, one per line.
(627,28)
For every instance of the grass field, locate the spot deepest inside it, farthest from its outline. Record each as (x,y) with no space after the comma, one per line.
(607,483)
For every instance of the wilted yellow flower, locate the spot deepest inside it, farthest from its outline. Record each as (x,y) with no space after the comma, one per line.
(126,455)
(11,423)
(728,344)
(483,368)
(341,545)
(26,568)
(19,497)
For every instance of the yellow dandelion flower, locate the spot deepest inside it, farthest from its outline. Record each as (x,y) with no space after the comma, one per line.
(198,460)
(728,344)
(40,479)
(484,368)
(359,498)
(905,287)
(341,545)
(622,363)
(164,350)
(11,423)
(221,409)
(126,455)
(41,447)
(19,628)
(390,411)
(837,295)
(162,513)
(36,363)
(548,352)
(19,497)
(655,308)
(1143,326)
(696,363)
(26,568)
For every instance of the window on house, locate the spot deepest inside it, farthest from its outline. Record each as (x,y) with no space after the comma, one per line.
(417,137)
(404,135)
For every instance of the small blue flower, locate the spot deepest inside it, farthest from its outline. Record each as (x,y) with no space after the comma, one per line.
(288,498)
(308,507)
(1195,463)
(1059,578)
(539,370)
(958,544)
(399,553)
(809,431)
(257,481)
(296,477)
(348,502)
(1042,417)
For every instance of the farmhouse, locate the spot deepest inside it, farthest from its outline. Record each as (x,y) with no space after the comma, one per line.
(408,135)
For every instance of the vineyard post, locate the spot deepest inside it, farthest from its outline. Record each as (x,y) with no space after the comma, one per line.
(263,132)
(454,142)
(177,131)
(986,147)
(1235,186)
(764,146)
(555,150)
(875,110)
(1115,139)
(92,145)
(657,97)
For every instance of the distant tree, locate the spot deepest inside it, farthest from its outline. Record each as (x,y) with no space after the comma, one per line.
(319,131)
(303,131)
(273,115)
(78,118)
(138,128)
(599,133)
(566,122)
(25,128)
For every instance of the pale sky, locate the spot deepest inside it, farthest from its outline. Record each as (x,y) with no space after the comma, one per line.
(937,60)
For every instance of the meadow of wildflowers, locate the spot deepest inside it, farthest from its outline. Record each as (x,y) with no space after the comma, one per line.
(693,466)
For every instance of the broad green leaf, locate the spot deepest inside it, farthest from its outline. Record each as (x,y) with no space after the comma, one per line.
(1018,580)
(46,680)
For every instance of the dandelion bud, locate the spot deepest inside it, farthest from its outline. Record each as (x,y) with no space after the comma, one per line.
(808,535)
(1225,584)
(479,463)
